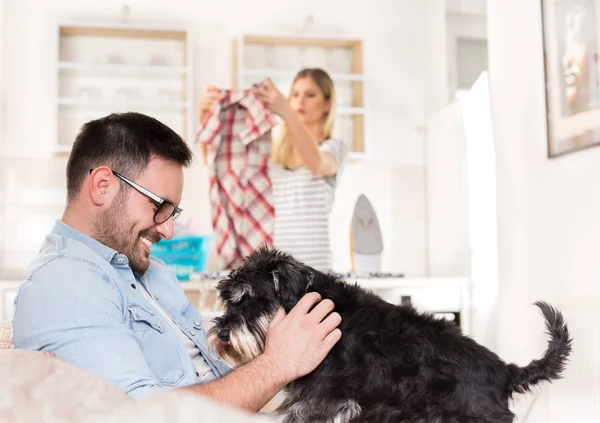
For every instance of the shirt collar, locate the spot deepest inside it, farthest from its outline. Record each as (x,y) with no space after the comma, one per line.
(62,229)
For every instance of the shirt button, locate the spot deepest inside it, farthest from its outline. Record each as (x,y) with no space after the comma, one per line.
(120,261)
(192,333)
(156,297)
(196,323)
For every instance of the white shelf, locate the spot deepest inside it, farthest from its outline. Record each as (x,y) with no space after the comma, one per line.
(354,155)
(122,68)
(252,62)
(114,104)
(126,26)
(107,59)
(351,110)
(265,73)
(63,149)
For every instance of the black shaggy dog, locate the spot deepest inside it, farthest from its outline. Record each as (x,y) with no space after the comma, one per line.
(392,364)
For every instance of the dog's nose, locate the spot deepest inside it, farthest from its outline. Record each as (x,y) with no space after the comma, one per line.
(224,335)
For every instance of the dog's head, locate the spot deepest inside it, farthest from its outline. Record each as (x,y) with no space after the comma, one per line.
(251,295)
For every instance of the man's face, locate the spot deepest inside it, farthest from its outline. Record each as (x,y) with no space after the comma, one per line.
(128,226)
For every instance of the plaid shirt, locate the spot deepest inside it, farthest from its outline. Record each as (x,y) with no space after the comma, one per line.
(237,135)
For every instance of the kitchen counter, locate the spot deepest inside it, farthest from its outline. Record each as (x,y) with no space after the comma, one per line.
(447,296)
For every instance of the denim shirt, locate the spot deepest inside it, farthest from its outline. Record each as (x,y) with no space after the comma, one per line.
(81,300)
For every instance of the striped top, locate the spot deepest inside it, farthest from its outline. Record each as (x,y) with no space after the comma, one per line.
(303,203)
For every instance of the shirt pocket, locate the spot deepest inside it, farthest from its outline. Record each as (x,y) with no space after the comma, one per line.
(162,355)
(143,320)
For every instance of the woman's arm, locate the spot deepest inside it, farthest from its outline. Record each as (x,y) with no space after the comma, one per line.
(304,142)
(207,100)
(318,162)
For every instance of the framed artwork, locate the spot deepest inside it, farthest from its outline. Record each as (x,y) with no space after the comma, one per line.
(572,78)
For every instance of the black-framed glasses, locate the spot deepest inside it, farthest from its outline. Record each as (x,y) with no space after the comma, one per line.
(165,209)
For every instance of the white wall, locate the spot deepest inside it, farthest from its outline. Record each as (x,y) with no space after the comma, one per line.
(549,231)
(1,137)
(406,80)
(448,247)
(467,7)
(469,26)
(461,203)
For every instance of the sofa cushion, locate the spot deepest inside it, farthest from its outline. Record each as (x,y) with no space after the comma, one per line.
(36,386)
(178,406)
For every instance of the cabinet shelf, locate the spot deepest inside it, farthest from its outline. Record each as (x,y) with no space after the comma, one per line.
(261,56)
(113,104)
(103,68)
(122,68)
(266,73)
(351,110)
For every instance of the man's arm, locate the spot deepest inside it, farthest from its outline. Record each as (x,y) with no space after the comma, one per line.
(296,344)
(69,309)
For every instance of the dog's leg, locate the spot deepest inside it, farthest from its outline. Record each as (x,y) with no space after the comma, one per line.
(320,410)
(471,419)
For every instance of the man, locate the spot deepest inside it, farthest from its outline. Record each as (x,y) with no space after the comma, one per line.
(95,297)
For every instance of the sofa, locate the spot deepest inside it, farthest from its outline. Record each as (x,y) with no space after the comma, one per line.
(37,386)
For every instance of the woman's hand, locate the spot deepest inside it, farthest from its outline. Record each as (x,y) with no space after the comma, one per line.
(207,100)
(273,99)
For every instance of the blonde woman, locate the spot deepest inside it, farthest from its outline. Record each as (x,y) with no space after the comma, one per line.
(305,163)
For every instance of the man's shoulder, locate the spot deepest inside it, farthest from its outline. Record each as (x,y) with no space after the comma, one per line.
(61,277)
(64,255)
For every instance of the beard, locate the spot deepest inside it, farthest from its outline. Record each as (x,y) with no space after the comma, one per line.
(115,229)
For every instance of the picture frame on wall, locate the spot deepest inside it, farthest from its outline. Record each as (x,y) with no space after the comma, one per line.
(571,38)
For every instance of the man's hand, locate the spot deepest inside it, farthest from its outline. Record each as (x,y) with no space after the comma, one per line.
(299,341)
(296,344)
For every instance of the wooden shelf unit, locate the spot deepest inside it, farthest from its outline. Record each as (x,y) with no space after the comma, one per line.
(111,67)
(341,57)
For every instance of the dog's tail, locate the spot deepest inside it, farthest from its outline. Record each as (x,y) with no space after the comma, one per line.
(553,363)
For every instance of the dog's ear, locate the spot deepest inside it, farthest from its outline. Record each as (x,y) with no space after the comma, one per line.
(291,280)
(311,279)
(239,291)
(275,275)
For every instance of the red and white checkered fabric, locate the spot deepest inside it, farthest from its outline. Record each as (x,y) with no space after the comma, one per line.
(237,135)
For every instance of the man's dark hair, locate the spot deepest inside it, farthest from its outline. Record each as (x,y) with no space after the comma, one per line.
(125,142)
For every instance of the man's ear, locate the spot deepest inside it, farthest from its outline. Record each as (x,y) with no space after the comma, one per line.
(102,185)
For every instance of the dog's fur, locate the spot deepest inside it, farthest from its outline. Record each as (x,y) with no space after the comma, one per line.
(392,364)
